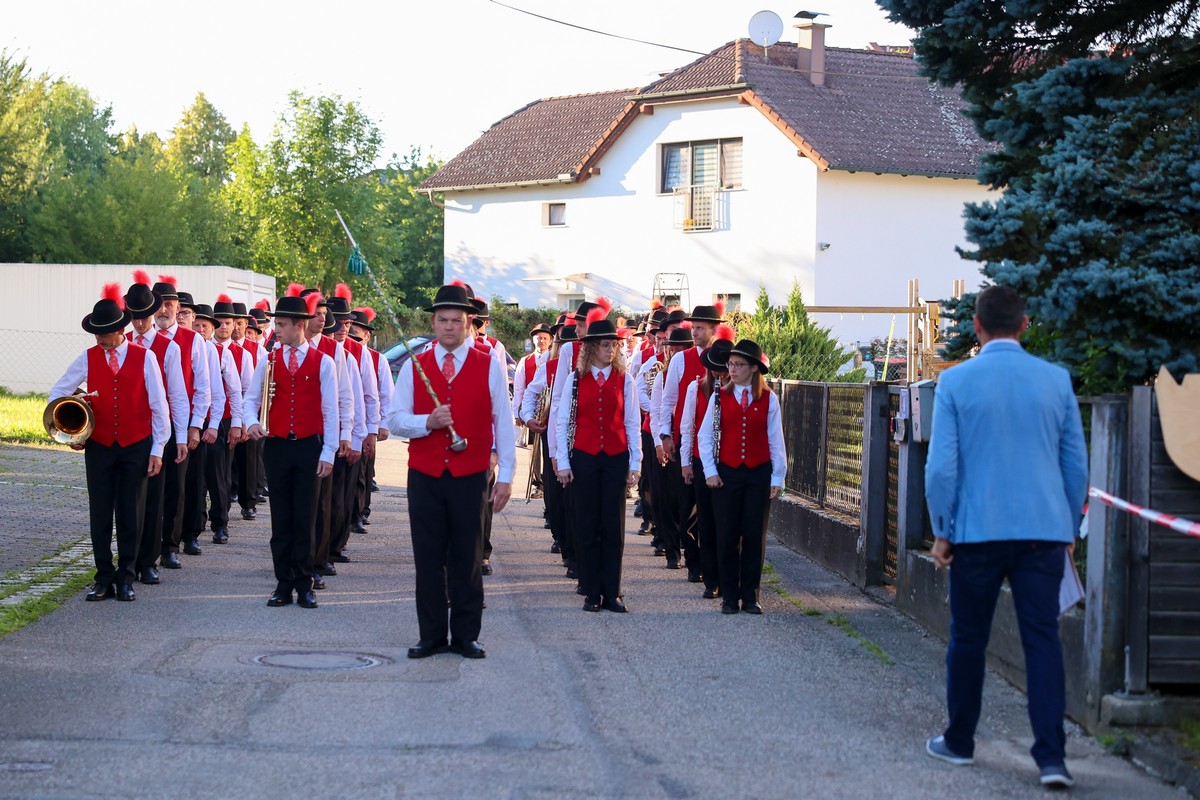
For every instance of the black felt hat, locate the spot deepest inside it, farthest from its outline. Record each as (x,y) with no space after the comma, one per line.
(716,357)
(600,330)
(204,311)
(706,314)
(584,308)
(258,315)
(240,310)
(452,296)
(339,307)
(567,333)
(166,287)
(655,320)
(141,301)
(680,336)
(750,350)
(291,308)
(559,323)
(224,308)
(360,318)
(482,312)
(673,318)
(186,301)
(541,327)
(108,314)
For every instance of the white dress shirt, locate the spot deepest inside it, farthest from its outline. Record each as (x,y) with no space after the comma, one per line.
(201,391)
(633,421)
(358,431)
(160,412)
(345,393)
(670,397)
(386,387)
(774,436)
(231,378)
(216,385)
(329,395)
(403,422)
(172,373)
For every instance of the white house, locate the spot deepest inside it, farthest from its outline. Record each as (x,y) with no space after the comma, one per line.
(844,170)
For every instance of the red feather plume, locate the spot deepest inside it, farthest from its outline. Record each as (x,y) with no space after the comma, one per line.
(604,303)
(656,304)
(168,279)
(294,289)
(112,291)
(370,312)
(141,276)
(720,306)
(686,324)
(457,282)
(595,315)
(343,291)
(673,309)
(766,360)
(263,305)
(725,332)
(623,333)
(224,298)
(570,323)
(313,300)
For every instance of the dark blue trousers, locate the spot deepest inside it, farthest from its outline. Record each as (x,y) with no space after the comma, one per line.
(1034,570)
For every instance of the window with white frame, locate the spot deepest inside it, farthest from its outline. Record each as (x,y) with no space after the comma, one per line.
(715,162)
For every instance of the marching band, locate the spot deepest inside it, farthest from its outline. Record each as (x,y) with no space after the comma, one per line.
(199,407)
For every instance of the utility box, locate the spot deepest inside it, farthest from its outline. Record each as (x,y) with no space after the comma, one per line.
(921,400)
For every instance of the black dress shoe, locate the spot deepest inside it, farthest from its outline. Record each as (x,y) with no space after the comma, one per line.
(695,577)
(555,547)
(192,547)
(317,582)
(148,575)
(306,599)
(101,591)
(579,589)
(486,567)
(374,486)
(546,524)
(260,498)
(637,508)
(170,560)
(658,551)
(280,597)
(729,608)
(751,607)
(233,496)
(125,592)
(572,569)
(264,494)
(426,648)
(673,563)
(590,604)
(249,513)
(220,536)
(468,649)
(327,569)
(615,604)
(366,520)
(358,527)
(712,594)
(340,558)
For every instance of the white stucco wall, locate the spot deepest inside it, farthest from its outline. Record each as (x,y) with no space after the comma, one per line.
(882,229)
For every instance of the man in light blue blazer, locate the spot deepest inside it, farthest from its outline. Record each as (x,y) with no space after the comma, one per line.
(1005,483)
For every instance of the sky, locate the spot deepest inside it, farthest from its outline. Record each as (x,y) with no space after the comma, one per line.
(432,75)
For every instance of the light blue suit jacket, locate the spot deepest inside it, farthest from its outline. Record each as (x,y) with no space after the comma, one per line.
(1007,459)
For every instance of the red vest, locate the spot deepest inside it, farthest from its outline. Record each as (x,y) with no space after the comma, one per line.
(296,407)
(185,337)
(226,414)
(481,344)
(327,346)
(693,369)
(650,390)
(744,434)
(253,349)
(355,349)
(158,347)
(471,407)
(530,367)
(600,416)
(120,397)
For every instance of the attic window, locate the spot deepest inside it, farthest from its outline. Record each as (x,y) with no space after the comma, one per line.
(715,162)
(554,215)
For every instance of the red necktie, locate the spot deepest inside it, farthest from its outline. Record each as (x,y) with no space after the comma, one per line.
(293,362)
(745,399)
(600,379)
(141,340)
(112,362)
(448,367)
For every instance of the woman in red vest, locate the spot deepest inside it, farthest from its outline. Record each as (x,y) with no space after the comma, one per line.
(741,447)
(599,445)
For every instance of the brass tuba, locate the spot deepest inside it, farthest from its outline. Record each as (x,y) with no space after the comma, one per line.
(69,420)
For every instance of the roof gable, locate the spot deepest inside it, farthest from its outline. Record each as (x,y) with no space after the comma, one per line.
(875,113)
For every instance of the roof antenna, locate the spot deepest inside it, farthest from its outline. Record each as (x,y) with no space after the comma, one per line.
(765,28)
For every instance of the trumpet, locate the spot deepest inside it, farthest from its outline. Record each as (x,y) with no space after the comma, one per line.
(70,420)
(268,394)
(541,409)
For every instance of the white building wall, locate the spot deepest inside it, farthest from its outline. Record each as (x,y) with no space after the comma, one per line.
(619,231)
(42,334)
(883,230)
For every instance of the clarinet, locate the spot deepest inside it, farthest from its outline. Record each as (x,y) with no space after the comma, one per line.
(571,418)
(716,423)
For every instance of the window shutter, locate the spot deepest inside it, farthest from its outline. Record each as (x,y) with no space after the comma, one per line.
(705,167)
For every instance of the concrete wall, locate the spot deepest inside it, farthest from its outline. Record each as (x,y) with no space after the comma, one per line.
(619,231)
(54,299)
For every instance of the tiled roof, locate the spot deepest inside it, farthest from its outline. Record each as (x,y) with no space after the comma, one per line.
(538,143)
(875,113)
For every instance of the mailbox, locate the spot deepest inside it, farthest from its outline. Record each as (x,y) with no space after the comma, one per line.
(921,403)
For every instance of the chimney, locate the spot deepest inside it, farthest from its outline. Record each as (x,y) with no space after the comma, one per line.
(810,53)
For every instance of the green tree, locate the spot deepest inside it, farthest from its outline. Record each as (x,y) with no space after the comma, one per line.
(197,154)
(406,228)
(798,347)
(1095,111)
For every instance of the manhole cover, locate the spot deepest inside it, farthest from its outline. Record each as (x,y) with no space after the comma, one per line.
(319,660)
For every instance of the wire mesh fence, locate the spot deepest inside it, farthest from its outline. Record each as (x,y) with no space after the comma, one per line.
(33,362)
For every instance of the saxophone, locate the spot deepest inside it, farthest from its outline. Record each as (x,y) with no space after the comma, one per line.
(268,392)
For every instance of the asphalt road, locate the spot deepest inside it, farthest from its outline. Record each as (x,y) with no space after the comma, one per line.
(199,690)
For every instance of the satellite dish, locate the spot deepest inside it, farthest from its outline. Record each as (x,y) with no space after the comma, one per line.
(765,28)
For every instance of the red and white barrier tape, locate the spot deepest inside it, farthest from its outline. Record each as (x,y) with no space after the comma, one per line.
(1184,526)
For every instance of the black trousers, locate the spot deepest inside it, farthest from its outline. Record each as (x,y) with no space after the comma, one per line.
(665,512)
(706,528)
(194,493)
(174,490)
(150,540)
(362,494)
(116,481)
(552,491)
(260,446)
(324,501)
(741,507)
(598,483)
(216,479)
(349,489)
(487,516)
(245,473)
(649,464)
(446,517)
(292,472)
(684,495)
(667,518)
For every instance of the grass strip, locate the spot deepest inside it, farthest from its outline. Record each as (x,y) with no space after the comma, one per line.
(15,617)
(772,582)
(21,418)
